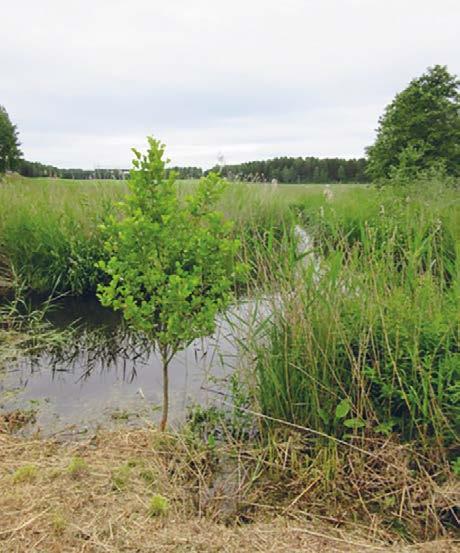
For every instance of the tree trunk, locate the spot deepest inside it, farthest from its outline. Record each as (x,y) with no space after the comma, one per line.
(164,417)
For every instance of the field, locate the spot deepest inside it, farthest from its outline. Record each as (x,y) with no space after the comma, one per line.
(49,228)
(345,412)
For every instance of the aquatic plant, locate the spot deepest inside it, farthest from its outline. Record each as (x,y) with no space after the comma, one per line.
(372,344)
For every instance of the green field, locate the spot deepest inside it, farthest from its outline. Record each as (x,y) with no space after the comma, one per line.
(362,347)
(49,232)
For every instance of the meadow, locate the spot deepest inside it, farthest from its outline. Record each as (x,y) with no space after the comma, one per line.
(352,385)
(49,228)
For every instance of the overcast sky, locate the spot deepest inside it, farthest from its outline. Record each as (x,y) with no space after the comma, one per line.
(87,80)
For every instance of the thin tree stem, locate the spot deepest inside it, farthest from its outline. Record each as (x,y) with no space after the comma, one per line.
(164,419)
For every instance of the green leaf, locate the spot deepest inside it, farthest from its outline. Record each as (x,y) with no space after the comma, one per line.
(354,423)
(342,409)
(385,427)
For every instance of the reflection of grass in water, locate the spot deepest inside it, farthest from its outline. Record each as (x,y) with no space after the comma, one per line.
(25,331)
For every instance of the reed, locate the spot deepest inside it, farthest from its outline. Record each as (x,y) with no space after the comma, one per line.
(367,339)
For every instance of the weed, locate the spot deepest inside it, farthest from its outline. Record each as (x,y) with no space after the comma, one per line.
(159,506)
(59,523)
(77,467)
(120,477)
(26,473)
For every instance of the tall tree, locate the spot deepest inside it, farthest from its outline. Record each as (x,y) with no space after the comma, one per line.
(421,125)
(10,154)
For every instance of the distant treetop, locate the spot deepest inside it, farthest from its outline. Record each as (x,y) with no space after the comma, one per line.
(420,128)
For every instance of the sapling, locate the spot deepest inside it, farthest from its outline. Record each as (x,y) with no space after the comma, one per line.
(170,260)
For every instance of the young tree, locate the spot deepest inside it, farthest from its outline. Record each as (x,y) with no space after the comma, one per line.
(10,154)
(422,123)
(171,261)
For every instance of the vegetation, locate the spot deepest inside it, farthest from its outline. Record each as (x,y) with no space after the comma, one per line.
(349,390)
(10,153)
(298,170)
(36,169)
(49,233)
(367,342)
(259,501)
(170,263)
(25,330)
(347,397)
(420,128)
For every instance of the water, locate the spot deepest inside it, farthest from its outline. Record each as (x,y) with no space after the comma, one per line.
(108,375)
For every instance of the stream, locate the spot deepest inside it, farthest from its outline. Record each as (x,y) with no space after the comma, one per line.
(109,376)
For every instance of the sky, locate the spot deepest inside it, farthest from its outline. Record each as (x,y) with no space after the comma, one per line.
(248,79)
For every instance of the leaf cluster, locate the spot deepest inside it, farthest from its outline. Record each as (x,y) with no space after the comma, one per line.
(170,260)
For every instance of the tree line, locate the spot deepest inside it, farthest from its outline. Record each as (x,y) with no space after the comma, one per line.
(283,169)
(298,170)
(36,169)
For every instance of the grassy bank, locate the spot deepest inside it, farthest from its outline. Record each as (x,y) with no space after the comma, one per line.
(136,491)
(50,237)
(48,231)
(363,344)
(373,325)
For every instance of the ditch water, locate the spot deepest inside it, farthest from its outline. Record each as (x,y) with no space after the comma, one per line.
(108,376)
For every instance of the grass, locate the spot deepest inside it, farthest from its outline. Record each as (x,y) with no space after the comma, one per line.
(24,329)
(266,498)
(77,467)
(349,394)
(49,228)
(49,234)
(369,341)
(159,506)
(26,473)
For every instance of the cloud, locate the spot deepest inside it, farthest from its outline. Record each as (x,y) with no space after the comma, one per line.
(252,79)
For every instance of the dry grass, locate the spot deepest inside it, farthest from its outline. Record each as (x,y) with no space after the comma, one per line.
(96,496)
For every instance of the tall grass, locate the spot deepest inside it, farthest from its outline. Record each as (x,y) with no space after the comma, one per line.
(370,341)
(49,228)
(49,231)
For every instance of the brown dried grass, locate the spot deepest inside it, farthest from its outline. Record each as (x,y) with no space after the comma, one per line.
(232,500)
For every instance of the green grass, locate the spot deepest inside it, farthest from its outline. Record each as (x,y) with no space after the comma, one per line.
(376,332)
(49,228)
(49,231)
(361,347)
(370,342)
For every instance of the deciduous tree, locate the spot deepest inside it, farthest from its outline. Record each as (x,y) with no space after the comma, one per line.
(420,127)
(171,261)
(10,154)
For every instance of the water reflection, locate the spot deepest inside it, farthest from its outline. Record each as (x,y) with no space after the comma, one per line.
(106,368)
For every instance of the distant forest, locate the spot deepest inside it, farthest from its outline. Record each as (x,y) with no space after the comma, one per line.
(283,169)
(299,170)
